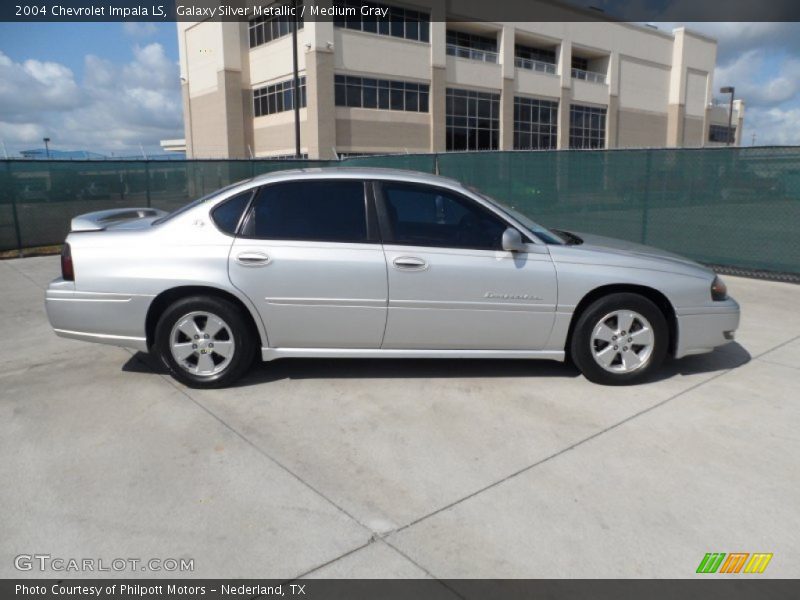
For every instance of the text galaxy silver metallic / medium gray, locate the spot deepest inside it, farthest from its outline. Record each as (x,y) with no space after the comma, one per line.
(375,263)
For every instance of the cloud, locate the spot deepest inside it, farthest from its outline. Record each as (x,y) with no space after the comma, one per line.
(772,126)
(139,30)
(115,108)
(734,39)
(752,75)
(34,86)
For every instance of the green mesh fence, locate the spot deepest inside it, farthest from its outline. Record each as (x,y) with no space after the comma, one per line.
(737,207)
(733,207)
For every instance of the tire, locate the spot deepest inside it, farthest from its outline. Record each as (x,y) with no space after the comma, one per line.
(604,355)
(205,341)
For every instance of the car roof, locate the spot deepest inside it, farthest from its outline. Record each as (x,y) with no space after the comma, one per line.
(355,173)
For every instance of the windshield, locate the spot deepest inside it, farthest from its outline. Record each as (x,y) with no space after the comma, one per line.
(197,202)
(548,236)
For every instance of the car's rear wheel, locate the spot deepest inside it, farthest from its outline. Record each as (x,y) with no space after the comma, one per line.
(620,339)
(204,341)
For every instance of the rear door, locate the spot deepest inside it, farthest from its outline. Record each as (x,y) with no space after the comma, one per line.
(309,258)
(451,285)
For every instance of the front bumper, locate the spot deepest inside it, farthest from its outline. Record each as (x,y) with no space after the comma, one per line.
(703,329)
(106,318)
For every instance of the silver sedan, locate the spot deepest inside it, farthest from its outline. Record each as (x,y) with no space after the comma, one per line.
(375,263)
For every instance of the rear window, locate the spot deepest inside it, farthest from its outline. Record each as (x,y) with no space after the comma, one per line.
(323,211)
(227,215)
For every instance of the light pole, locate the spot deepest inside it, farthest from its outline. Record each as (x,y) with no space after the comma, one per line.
(729,89)
(46,147)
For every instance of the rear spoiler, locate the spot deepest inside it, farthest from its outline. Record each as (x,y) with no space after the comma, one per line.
(97,221)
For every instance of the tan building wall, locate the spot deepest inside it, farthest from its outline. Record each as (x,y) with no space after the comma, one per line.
(363,130)
(656,86)
(641,129)
(272,134)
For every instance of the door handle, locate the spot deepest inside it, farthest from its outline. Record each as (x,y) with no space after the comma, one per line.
(409,263)
(252,259)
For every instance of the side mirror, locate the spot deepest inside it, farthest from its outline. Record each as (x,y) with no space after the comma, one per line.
(512,241)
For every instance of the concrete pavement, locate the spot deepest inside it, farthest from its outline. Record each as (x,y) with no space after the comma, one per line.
(369,468)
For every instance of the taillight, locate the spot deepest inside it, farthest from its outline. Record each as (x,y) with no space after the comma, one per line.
(67,269)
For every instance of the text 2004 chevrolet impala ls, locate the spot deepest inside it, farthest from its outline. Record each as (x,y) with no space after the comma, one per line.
(375,263)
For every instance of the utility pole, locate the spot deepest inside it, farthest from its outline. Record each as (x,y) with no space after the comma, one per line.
(46,147)
(296,91)
(753,143)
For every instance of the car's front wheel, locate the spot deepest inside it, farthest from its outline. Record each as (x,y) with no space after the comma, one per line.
(204,341)
(620,339)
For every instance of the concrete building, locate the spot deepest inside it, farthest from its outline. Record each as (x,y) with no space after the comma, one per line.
(424,80)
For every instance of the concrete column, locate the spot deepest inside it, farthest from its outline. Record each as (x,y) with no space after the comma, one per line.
(248,113)
(320,130)
(676,110)
(438,90)
(738,120)
(437,107)
(507,115)
(565,63)
(438,37)
(565,71)
(230,85)
(187,117)
(612,120)
(507,88)
(676,115)
(612,113)
(564,103)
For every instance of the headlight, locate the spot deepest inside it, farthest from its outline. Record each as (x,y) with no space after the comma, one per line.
(719,291)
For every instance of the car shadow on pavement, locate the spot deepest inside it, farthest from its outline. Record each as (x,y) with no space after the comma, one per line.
(378,368)
(727,357)
(730,356)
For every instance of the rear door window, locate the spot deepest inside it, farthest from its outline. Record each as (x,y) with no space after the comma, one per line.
(322,211)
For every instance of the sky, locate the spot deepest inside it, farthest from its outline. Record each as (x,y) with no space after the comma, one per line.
(115,88)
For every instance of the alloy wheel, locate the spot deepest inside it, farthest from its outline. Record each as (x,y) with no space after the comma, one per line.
(202,343)
(622,341)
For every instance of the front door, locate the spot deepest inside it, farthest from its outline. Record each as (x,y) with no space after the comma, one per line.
(451,286)
(313,266)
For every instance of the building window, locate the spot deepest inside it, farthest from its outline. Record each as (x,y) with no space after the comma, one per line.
(535,59)
(535,124)
(587,127)
(471,46)
(401,22)
(579,63)
(472,120)
(721,134)
(365,92)
(277,97)
(266,29)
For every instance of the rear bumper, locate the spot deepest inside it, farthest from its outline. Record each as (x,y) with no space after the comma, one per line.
(106,318)
(703,329)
